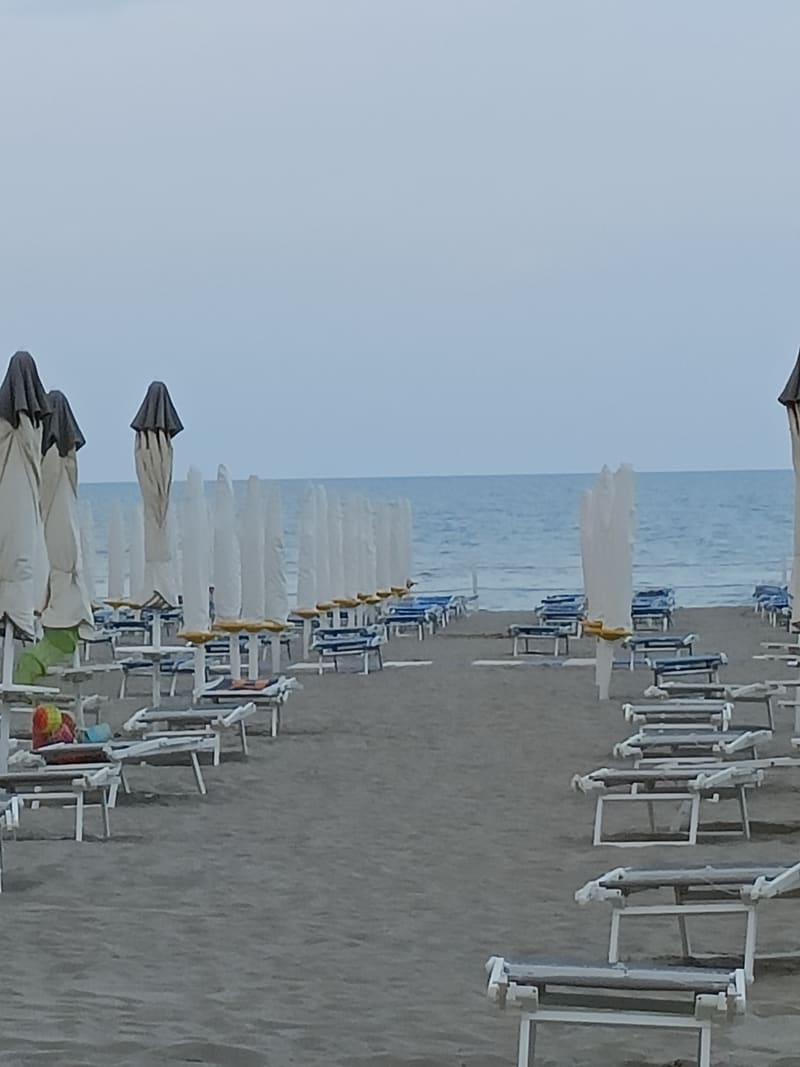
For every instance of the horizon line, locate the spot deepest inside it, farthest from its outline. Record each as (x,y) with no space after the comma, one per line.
(431,477)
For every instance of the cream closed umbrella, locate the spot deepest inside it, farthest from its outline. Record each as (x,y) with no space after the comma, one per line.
(194,571)
(156,424)
(610,517)
(322,537)
(276,590)
(227,571)
(116,556)
(88,549)
(67,606)
(67,609)
(136,554)
(306,596)
(790,398)
(252,551)
(23,407)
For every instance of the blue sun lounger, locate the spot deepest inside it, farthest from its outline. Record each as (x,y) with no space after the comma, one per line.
(707,665)
(522,634)
(644,643)
(335,644)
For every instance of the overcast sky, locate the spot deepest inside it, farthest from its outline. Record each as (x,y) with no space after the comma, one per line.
(375,237)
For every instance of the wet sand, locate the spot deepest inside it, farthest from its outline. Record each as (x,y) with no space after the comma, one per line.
(334,899)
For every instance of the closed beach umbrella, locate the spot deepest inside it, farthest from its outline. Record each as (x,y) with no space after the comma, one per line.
(351,545)
(136,553)
(116,554)
(322,536)
(335,542)
(252,550)
(67,606)
(156,424)
(88,549)
(408,540)
(194,572)
(275,585)
(276,590)
(227,570)
(610,549)
(22,409)
(194,555)
(383,546)
(368,549)
(306,597)
(23,406)
(67,610)
(790,398)
(227,564)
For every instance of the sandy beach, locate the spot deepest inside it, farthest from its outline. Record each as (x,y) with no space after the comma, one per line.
(334,899)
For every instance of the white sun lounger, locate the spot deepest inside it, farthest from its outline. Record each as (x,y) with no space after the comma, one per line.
(204,722)
(648,996)
(71,785)
(702,891)
(684,713)
(9,820)
(660,743)
(753,693)
(271,697)
(149,749)
(687,786)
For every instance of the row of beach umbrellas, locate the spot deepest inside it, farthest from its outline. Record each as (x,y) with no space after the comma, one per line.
(348,547)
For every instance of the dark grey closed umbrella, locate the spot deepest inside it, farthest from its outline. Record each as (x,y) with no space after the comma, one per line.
(61,429)
(156,423)
(790,398)
(23,406)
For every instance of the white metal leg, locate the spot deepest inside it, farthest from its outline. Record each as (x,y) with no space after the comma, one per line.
(79,807)
(198,774)
(704,1052)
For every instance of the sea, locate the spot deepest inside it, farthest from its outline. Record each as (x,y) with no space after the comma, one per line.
(712,535)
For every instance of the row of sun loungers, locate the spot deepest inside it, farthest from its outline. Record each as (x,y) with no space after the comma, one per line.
(689,750)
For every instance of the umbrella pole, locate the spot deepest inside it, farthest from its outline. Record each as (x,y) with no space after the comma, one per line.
(235,656)
(199,670)
(252,656)
(275,648)
(156,629)
(306,638)
(8,678)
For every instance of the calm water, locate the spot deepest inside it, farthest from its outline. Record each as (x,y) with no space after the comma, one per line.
(711,535)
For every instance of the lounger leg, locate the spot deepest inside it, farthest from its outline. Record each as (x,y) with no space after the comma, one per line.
(613,941)
(694,819)
(515,647)
(598,822)
(527,1041)
(745,812)
(104,811)
(366,662)
(122,686)
(198,775)
(79,817)
(704,1051)
(750,932)
(156,685)
(243,737)
(275,725)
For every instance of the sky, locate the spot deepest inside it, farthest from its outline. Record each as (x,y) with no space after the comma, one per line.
(399,237)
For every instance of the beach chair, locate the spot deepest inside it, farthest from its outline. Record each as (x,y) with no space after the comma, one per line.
(9,821)
(707,891)
(552,636)
(566,612)
(150,749)
(763,693)
(644,643)
(684,786)
(651,609)
(646,995)
(362,642)
(204,722)
(681,666)
(716,713)
(402,619)
(72,786)
(267,694)
(659,742)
